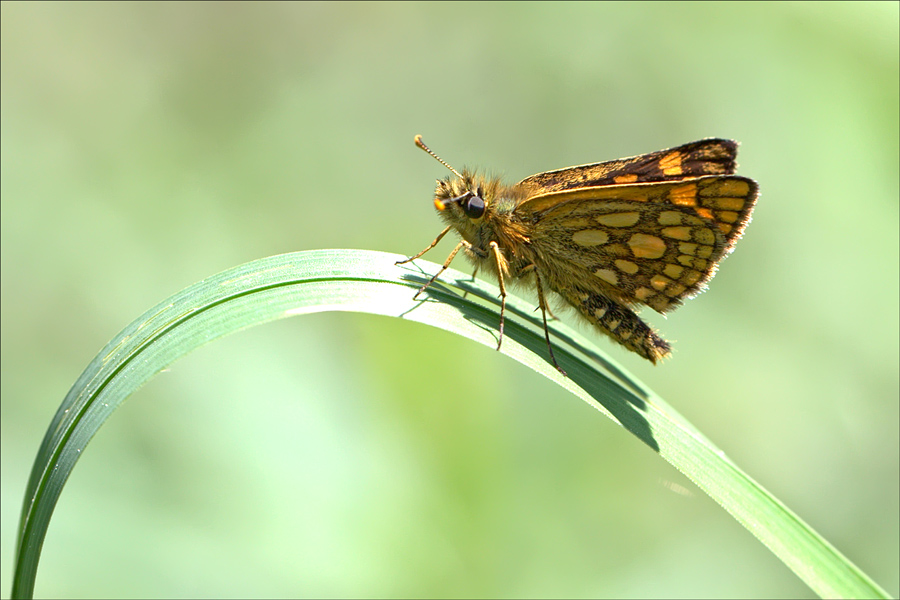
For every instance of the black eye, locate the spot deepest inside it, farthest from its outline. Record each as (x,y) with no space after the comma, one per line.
(474,207)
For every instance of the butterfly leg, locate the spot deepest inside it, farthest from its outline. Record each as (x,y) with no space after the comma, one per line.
(542,301)
(501,266)
(430,246)
(446,262)
(550,312)
(546,305)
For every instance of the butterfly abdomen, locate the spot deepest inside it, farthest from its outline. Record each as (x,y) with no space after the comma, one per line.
(618,322)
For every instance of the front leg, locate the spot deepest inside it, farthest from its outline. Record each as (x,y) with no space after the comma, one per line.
(430,246)
(461,244)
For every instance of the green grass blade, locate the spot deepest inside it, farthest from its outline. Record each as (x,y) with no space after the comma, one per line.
(364,281)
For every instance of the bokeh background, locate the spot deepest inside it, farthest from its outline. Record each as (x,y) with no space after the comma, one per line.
(147,146)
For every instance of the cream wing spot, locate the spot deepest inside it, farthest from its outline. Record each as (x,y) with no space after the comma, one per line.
(626,266)
(643,293)
(590,237)
(646,246)
(669,217)
(621,219)
(607,275)
(687,248)
(677,233)
(673,271)
(659,282)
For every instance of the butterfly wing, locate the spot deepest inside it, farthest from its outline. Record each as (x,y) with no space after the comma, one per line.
(647,243)
(712,156)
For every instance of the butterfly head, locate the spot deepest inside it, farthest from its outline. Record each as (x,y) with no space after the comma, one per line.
(462,197)
(459,199)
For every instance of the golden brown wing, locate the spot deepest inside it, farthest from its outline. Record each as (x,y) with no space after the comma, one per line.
(704,157)
(650,243)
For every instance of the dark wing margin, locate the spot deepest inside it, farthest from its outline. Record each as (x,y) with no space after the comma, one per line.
(711,156)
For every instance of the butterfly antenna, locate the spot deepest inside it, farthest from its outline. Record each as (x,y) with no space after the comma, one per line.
(422,145)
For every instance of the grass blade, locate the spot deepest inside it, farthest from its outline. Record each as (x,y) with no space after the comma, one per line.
(364,281)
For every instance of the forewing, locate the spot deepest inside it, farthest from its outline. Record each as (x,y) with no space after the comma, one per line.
(705,157)
(653,243)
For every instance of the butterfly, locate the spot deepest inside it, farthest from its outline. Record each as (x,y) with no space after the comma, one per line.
(605,237)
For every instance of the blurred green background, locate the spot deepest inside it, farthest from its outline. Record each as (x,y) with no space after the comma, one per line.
(147,146)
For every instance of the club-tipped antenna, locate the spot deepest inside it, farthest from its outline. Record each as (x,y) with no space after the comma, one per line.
(422,145)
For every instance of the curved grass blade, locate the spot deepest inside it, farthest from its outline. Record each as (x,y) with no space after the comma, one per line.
(365,281)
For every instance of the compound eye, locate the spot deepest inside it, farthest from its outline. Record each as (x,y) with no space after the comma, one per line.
(474,207)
